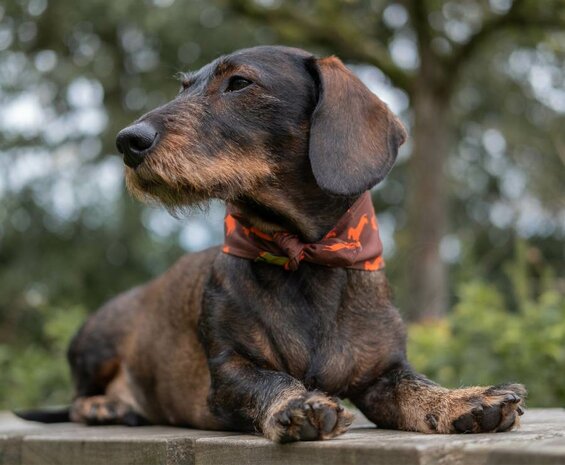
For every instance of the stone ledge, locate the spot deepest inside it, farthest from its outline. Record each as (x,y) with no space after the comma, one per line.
(540,440)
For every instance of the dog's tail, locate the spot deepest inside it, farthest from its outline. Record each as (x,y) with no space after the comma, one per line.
(47,415)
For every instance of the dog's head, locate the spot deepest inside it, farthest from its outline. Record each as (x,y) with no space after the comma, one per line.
(262,119)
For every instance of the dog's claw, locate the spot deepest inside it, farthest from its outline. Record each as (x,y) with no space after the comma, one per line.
(477,411)
(491,418)
(431,420)
(329,419)
(283,418)
(308,432)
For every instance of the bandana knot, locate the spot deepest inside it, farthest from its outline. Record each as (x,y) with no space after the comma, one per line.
(292,247)
(353,243)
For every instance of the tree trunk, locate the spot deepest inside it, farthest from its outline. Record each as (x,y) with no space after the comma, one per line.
(425,272)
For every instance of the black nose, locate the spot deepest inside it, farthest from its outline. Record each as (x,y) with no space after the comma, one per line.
(136,141)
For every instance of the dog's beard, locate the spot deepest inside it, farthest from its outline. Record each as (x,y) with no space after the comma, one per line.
(181,179)
(178,200)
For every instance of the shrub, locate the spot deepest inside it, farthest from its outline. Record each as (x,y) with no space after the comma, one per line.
(37,373)
(483,342)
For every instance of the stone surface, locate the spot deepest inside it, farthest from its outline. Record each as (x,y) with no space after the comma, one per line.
(540,440)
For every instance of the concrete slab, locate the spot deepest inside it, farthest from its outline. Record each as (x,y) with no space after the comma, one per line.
(540,440)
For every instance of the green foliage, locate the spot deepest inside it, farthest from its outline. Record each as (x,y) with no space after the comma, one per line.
(36,374)
(488,339)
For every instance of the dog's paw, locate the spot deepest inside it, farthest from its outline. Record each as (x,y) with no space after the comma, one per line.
(311,417)
(480,410)
(101,410)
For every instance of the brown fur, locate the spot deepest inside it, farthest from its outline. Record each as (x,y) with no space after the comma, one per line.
(229,173)
(420,405)
(219,342)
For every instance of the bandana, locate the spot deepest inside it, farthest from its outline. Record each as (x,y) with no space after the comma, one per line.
(353,243)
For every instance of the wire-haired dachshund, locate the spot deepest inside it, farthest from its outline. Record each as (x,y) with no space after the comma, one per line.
(294,312)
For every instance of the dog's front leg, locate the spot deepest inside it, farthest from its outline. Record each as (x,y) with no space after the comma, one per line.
(405,400)
(248,397)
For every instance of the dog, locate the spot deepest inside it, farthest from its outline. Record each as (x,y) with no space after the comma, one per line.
(267,333)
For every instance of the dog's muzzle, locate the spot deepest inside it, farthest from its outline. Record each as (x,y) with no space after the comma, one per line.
(135,142)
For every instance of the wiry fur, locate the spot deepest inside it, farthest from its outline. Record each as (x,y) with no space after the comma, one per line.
(177,173)
(219,342)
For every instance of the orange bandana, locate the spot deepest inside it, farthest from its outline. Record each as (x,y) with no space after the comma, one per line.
(353,243)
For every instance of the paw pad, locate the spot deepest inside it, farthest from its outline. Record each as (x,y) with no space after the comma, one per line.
(497,410)
(309,418)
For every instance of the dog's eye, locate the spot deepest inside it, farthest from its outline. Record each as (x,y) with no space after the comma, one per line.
(237,83)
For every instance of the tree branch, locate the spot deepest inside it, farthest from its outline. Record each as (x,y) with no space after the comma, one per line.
(341,36)
(419,19)
(514,18)
(431,72)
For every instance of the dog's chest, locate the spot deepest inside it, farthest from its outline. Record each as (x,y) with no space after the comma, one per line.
(319,325)
(331,333)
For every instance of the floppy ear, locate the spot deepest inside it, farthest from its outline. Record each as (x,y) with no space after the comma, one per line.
(354,137)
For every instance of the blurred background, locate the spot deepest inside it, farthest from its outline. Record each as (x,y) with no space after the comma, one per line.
(472,216)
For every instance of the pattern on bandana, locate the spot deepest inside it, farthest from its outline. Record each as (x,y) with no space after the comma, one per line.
(353,243)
